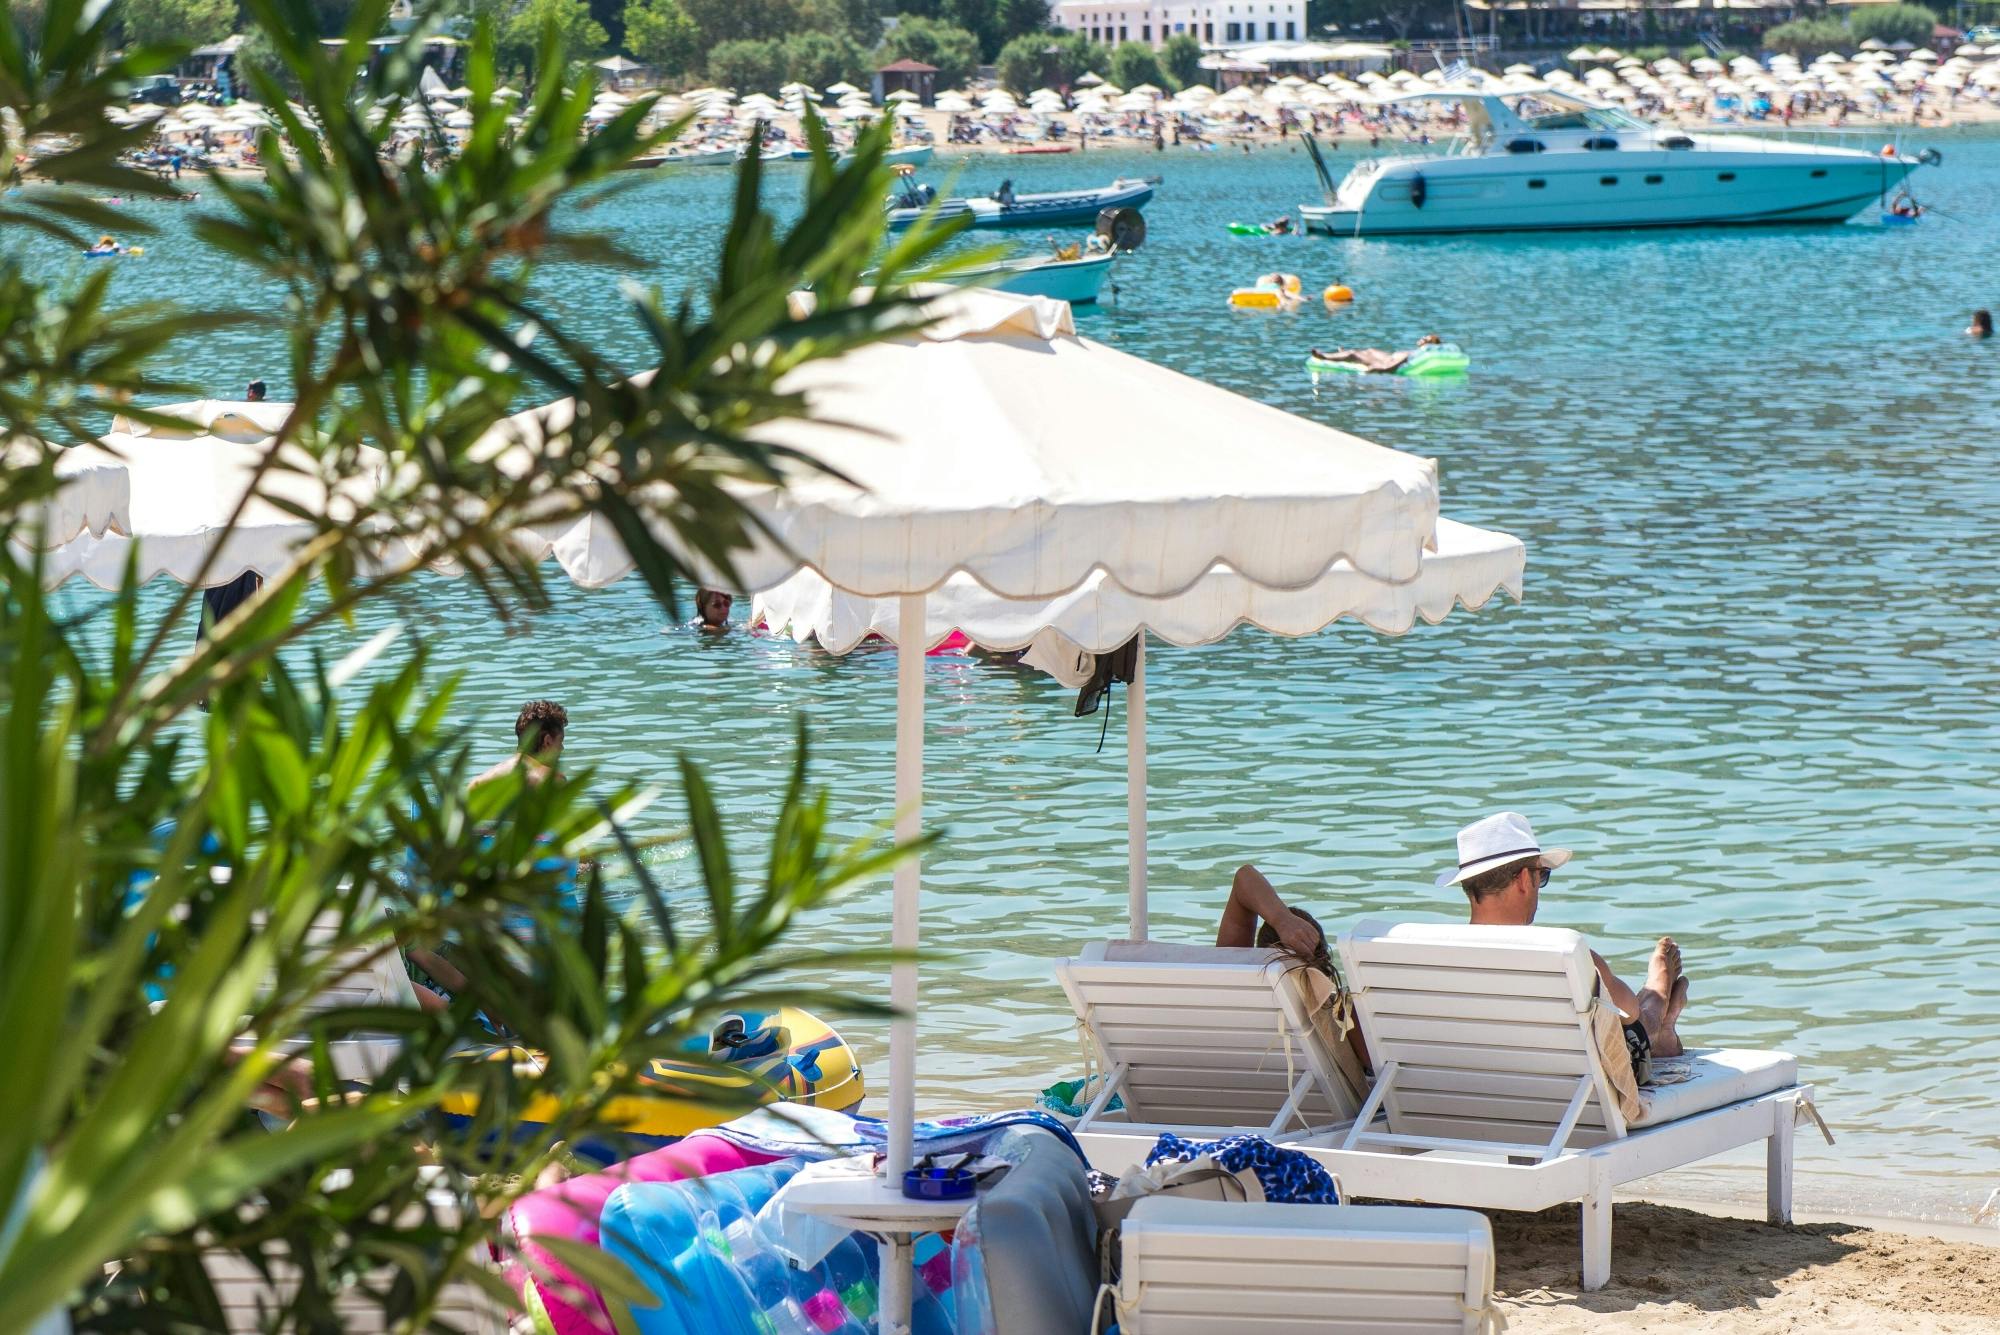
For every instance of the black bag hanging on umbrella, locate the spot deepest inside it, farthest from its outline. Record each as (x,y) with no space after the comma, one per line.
(1121,664)
(220,601)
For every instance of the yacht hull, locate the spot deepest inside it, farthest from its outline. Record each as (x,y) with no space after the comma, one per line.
(1662,188)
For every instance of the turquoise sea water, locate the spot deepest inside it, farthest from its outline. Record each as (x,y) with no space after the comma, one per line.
(1753,682)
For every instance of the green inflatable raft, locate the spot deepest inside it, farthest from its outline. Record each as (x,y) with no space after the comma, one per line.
(1436,360)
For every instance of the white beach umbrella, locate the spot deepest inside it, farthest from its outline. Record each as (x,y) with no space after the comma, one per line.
(799,90)
(186,482)
(1467,568)
(1583,55)
(953,103)
(902,95)
(1519,69)
(93,493)
(996,445)
(842,88)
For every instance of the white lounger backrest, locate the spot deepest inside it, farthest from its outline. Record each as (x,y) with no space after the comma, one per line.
(1203,1033)
(364,975)
(1489,1029)
(1195,1267)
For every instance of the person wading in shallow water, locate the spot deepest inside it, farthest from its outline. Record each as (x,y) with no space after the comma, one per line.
(538,731)
(1503,870)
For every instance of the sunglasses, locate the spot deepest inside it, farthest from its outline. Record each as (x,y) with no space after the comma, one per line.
(1542,875)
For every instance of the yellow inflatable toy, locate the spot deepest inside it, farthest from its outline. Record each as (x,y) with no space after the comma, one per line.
(1339,292)
(1272,292)
(759,1057)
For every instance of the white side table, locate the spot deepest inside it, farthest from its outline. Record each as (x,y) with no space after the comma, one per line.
(847,1192)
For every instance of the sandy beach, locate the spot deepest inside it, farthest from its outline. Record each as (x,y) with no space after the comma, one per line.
(1685,1269)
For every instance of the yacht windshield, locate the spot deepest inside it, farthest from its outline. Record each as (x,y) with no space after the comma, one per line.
(1555,112)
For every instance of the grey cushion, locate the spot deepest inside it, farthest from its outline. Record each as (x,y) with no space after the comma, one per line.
(1037,1240)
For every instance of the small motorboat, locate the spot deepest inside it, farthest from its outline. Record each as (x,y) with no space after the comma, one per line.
(1004,208)
(1077,281)
(1029,150)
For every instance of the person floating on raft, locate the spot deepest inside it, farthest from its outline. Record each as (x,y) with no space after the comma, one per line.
(106,245)
(1431,356)
(1904,206)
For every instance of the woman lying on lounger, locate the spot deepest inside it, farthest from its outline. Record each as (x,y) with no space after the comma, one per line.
(1256,916)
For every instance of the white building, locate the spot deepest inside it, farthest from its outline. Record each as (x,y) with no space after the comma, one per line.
(1211,22)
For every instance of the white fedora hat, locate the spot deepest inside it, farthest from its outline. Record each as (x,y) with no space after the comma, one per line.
(1495,842)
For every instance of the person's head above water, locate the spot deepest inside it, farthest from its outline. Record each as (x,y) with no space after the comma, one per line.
(1982,324)
(711,608)
(254,391)
(1429,340)
(1502,868)
(540,728)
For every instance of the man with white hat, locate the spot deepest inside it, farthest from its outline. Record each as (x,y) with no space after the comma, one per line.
(1503,868)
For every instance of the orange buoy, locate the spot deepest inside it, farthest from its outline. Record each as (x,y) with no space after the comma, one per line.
(1339,292)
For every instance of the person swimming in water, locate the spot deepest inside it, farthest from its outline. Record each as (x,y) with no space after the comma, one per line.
(1982,324)
(711,611)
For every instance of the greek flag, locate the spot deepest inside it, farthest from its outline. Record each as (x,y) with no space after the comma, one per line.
(1457,70)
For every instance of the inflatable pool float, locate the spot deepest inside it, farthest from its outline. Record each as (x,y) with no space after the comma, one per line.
(1284,294)
(1436,360)
(717,1268)
(782,1056)
(1255,229)
(562,1302)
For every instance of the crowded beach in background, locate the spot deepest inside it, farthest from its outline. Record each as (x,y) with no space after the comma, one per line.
(1357,96)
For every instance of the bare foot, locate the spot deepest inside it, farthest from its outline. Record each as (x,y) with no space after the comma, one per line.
(1666,967)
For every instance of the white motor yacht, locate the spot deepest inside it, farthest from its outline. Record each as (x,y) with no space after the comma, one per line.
(1536,158)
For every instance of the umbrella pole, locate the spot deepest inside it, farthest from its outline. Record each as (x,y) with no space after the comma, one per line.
(910,646)
(1135,791)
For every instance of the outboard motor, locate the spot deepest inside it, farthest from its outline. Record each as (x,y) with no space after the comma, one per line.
(1418,190)
(1124,228)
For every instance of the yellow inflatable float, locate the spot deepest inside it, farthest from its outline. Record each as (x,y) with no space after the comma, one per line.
(1272,292)
(749,1059)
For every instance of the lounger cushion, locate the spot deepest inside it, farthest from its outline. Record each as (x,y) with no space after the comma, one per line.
(1722,1076)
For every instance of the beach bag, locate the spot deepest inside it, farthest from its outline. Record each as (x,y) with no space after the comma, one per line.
(1237,1168)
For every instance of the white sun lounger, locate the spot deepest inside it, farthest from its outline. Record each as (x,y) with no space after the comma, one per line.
(1200,1041)
(1195,1267)
(1489,1091)
(368,975)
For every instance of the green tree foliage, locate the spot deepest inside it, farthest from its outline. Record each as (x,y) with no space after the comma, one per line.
(576,32)
(660,33)
(1181,57)
(822,58)
(953,50)
(1806,38)
(748,65)
(1055,59)
(180,887)
(993,22)
(741,20)
(1134,63)
(1890,24)
(196,22)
